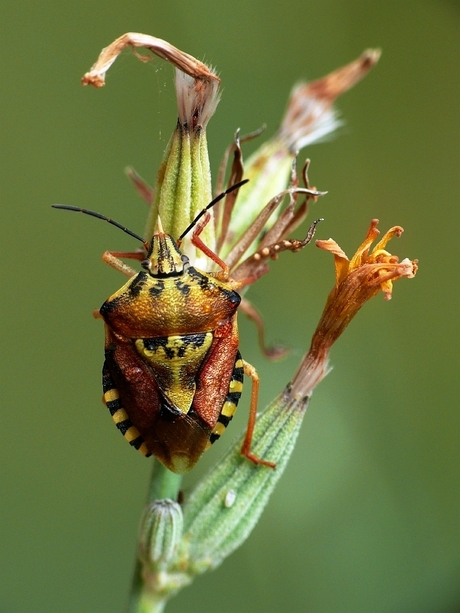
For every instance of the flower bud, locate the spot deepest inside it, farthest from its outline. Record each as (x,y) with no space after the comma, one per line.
(160,533)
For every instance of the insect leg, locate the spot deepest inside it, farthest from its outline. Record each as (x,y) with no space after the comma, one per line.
(250,371)
(112,258)
(196,240)
(275,352)
(256,264)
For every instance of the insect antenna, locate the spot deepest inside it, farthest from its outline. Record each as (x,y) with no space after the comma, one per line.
(68,207)
(210,205)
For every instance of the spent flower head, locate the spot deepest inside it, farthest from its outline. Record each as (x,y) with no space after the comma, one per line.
(356,281)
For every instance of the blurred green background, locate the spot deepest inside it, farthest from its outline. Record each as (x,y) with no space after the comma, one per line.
(366,518)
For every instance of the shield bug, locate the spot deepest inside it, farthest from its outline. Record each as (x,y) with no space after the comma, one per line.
(173,375)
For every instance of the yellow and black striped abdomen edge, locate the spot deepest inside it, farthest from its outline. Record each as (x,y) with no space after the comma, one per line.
(231,401)
(119,415)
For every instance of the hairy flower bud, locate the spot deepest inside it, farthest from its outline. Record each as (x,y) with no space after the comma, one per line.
(160,533)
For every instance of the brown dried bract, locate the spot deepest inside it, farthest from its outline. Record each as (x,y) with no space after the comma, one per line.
(310,116)
(183,61)
(339,81)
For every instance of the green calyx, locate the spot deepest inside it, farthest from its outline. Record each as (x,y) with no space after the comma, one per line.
(220,513)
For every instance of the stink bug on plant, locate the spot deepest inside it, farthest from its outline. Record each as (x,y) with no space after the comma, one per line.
(173,374)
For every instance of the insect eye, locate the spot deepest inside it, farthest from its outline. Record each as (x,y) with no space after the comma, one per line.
(145,264)
(235,298)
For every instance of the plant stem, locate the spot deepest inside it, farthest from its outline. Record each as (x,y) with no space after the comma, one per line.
(163,485)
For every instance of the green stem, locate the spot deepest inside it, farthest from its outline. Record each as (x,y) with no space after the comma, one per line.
(147,603)
(163,484)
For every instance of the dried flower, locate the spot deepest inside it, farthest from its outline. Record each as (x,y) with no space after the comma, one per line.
(356,281)
(310,117)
